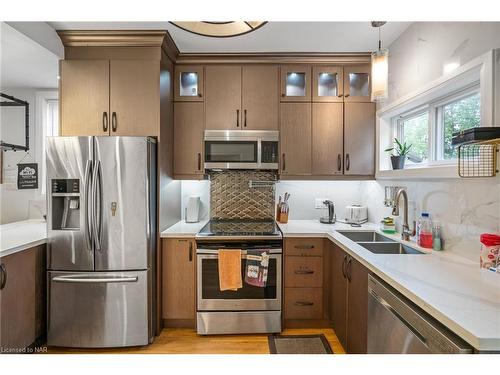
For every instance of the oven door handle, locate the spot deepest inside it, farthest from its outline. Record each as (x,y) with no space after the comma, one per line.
(243,252)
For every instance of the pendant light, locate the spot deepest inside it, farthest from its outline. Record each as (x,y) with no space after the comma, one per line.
(380,68)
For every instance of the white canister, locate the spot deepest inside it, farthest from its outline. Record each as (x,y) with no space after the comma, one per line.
(193,209)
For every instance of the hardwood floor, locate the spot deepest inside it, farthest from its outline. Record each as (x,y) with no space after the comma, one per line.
(186,341)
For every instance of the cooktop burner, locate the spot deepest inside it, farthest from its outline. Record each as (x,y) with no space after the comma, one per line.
(240,228)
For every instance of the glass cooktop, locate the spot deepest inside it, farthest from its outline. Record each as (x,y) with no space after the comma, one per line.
(240,228)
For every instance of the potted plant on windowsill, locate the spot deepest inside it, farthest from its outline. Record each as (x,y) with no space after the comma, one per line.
(402,150)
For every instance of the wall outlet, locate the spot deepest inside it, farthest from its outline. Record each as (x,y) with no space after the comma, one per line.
(318,203)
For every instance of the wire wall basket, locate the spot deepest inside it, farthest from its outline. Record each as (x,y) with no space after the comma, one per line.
(477,160)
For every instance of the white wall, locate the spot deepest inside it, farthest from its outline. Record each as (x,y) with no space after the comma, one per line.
(420,53)
(16,204)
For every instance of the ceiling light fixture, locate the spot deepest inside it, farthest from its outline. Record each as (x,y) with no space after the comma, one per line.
(219,29)
(380,68)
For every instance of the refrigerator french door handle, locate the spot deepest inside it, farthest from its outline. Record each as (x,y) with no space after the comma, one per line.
(66,279)
(88,205)
(96,205)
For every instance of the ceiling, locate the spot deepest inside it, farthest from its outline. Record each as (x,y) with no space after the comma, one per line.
(272,37)
(25,63)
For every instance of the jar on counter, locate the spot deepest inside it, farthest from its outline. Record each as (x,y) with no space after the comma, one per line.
(490,246)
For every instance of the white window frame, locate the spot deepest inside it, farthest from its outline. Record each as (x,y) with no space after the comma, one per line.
(484,69)
(41,105)
(435,124)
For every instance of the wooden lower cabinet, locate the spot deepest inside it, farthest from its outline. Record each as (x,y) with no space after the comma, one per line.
(304,304)
(338,293)
(348,300)
(179,282)
(22,299)
(357,307)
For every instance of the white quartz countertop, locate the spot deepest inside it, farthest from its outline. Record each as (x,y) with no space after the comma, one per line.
(183,229)
(22,235)
(452,289)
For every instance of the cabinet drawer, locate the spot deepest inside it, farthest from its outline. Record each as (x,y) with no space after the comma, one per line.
(304,272)
(304,246)
(303,303)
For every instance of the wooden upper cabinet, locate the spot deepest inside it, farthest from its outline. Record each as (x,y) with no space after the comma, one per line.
(357,83)
(357,307)
(188,138)
(178,279)
(295,83)
(260,97)
(295,134)
(359,139)
(328,84)
(84,93)
(134,97)
(188,83)
(223,97)
(327,138)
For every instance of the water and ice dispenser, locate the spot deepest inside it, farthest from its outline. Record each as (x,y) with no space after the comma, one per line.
(65,204)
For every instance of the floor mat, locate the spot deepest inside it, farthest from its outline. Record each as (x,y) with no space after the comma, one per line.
(299,344)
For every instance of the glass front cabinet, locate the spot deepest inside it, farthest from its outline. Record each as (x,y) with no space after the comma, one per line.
(296,83)
(328,84)
(357,83)
(188,83)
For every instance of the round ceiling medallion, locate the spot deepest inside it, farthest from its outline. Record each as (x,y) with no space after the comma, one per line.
(219,29)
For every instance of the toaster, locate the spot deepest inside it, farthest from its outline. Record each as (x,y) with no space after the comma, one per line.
(356,214)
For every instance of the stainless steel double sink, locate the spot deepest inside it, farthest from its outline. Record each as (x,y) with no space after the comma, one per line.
(378,243)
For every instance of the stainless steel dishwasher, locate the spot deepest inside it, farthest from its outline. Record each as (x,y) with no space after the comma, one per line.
(396,325)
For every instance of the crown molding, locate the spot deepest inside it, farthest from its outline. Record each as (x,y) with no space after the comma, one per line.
(112,38)
(274,58)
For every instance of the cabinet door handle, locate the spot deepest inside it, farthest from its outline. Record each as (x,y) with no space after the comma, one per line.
(343,266)
(303,272)
(199,94)
(347,162)
(105,121)
(305,247)
(3,276)
(340,95)
(348,269)
(199,161)
(245,123)
(339,163)
(303,303)
(282,95)
(347,95)
(114,123)
(237,118)
(284,167)
(190,251)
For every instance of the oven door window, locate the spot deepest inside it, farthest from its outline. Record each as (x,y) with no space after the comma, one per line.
(231,151)
(210,283)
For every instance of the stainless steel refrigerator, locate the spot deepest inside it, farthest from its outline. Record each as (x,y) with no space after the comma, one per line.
(101,225)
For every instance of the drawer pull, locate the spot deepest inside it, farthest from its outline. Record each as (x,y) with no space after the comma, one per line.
(303,303)
(304,247)
(303,272)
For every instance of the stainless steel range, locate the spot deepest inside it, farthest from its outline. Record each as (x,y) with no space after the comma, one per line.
(250,309)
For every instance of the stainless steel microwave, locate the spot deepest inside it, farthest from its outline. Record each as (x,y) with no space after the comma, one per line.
(241,149)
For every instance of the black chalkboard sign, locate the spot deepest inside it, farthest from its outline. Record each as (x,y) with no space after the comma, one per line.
(27,176)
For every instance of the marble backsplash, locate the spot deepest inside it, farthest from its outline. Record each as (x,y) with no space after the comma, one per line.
(465,208)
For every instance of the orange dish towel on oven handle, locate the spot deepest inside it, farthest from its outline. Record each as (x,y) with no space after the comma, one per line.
(230,269)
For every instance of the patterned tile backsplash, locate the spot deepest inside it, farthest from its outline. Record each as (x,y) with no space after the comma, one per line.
(231,197)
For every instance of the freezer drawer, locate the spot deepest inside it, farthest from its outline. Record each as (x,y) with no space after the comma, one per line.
(99,309)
